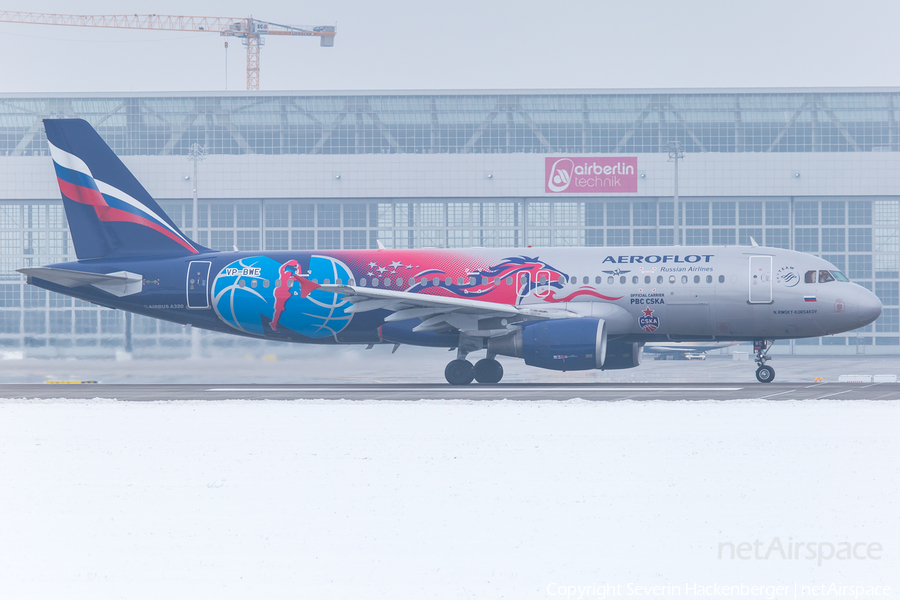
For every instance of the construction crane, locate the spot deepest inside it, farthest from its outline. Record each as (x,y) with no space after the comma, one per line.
(251,31)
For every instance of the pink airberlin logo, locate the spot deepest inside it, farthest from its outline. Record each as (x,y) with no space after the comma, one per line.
(590,174)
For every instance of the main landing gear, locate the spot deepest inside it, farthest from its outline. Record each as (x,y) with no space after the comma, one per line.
(765,373)
(462,372)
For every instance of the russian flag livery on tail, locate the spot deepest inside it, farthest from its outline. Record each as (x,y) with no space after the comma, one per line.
(109,211)
(556,308)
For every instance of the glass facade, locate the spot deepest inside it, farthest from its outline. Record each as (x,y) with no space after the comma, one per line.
(436,123)
(859,234)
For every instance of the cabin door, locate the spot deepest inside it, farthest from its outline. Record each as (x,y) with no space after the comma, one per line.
(760,279)
(198,284)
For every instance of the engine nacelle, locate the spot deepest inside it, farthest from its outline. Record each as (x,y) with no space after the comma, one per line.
(560,344)
(622,355)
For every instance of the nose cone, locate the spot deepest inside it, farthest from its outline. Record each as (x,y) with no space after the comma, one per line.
(869,307)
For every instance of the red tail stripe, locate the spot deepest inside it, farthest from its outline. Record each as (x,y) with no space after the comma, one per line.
(108,214)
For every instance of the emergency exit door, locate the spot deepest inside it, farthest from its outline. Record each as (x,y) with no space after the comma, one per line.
(198,284)
(760,279)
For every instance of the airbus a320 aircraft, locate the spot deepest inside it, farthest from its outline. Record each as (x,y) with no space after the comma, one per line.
(565,309)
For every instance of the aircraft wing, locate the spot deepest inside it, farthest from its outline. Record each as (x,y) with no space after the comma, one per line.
(441,313)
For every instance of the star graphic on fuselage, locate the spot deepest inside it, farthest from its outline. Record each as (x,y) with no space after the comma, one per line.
(373,265)
(396,264)
(381,269)
(648,312)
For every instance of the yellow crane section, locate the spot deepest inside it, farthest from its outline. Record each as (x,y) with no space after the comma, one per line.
(251,31)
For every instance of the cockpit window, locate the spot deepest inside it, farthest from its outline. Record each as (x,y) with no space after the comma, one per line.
(810,277)
(839,276)
(825,277)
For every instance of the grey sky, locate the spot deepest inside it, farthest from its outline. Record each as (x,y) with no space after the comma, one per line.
(470,44)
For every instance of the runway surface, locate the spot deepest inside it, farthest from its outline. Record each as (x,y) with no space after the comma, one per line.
(608,392)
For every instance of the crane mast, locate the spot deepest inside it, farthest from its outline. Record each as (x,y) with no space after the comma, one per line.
(252,32)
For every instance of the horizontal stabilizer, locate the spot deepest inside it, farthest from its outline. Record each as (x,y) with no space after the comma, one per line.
(120,283)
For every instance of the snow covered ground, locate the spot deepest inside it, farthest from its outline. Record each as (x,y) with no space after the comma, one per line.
(441,499)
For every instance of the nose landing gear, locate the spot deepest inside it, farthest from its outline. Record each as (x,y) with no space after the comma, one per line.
(765,373)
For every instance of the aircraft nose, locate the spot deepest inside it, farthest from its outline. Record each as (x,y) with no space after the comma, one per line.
(869,307)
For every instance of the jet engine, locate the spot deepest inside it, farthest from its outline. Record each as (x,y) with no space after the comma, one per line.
(622,355)
(561,344)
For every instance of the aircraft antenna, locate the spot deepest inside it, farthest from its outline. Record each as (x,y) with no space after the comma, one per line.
(252,32)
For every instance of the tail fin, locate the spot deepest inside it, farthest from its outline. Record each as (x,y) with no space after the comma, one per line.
(110,213)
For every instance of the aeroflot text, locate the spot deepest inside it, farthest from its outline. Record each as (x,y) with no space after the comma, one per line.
(653,258)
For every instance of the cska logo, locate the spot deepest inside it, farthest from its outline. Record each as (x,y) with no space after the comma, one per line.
(648,321)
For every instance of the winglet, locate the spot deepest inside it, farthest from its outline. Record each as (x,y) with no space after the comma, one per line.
(753,242)
(380,245)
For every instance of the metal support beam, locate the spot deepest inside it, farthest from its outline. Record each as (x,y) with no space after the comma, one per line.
(790,124)
(481,129)
(840,126)
(535,129)
(637,123)
(376,121)
(687,127)
(177,135)
(331,129)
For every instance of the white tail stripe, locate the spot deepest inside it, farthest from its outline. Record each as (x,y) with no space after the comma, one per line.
(73,163)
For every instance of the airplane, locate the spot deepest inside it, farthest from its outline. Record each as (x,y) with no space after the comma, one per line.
(564,309)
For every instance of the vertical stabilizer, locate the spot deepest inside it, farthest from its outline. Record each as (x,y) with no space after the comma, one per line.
(110,213)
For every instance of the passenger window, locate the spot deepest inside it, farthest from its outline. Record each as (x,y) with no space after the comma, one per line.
(622,279)
(825,277)
(484,281)
(810,277)
(721,279)
(647,279)
(448,281)
(598,280)
(265,283)
(610,280)
(375,283)
(634,279)
(543,280)
(709,279)
(586,280)
(509,281)
(684,279)
(362,282)
(696,279)
(436,281)
(659,279)
(671,279)
(253,283)
(387,282)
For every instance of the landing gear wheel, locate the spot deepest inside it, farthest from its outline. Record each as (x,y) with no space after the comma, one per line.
(488,370)
(765,374)
(459,372)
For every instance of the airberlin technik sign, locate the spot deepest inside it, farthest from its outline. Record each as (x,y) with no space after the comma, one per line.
(590,174)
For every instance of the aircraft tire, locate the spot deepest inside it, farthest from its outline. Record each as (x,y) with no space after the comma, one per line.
(488,370)
(765,374)
(459,372)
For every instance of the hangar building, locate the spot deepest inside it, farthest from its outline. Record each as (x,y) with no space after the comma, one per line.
(816,170)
